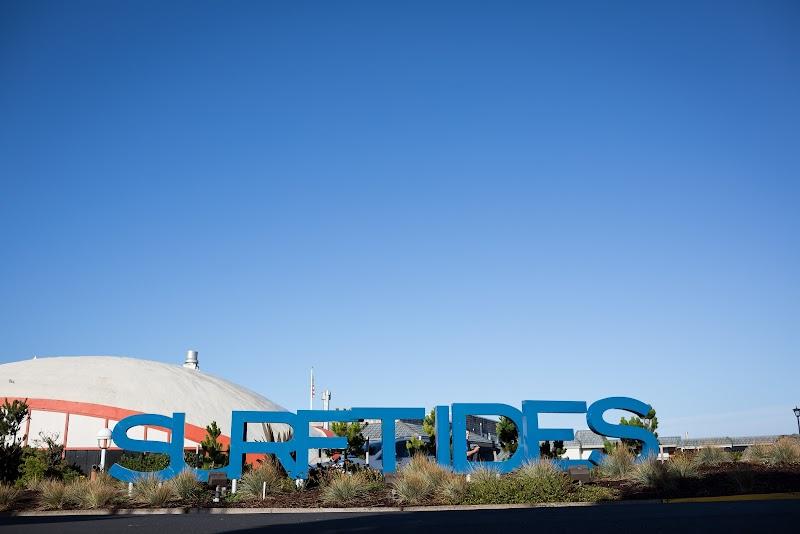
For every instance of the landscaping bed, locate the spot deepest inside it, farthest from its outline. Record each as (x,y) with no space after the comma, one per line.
(424,483)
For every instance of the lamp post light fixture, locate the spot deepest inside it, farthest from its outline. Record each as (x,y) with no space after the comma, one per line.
(797,414)
(103,441)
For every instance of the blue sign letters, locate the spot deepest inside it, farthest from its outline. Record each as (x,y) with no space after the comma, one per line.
(292,454)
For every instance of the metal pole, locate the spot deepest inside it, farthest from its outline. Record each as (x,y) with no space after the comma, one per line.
(102,459)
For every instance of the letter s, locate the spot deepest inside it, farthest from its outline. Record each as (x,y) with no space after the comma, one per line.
(594,418)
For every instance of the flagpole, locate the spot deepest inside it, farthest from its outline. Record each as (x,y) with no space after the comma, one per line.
(311,392)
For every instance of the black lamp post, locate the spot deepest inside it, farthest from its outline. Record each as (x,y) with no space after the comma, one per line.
(797,414)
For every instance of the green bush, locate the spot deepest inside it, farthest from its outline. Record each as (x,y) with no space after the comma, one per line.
(542,481)
(535,482)
(144,462)
(343,487)
(593,493)
(711,456)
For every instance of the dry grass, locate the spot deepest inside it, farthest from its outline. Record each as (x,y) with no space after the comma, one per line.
(711,456)
(784,451)
(424,481)
(654,474)
(343,487)
(52,494)
(102,492)
(186,485)
(682,466)
(151,491)
(252,483)
(8,496)
(618,464)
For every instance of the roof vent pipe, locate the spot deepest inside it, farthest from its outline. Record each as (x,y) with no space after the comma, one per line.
(191,360)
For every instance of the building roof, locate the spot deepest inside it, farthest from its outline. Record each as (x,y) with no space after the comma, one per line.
(133,384)
(402,430)
(587,439)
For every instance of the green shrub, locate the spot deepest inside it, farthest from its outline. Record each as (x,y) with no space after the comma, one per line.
(269,472)
(542,481)
(8,496)
(711,456)
(145,462)
(151,491)
(619,463)
(343,487)
(593,493)
(785,451)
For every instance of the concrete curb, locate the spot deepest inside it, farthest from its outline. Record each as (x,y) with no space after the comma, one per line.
(351,510)
(393,509)
(738,498)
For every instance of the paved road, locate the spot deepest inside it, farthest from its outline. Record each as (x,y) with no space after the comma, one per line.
(756,516)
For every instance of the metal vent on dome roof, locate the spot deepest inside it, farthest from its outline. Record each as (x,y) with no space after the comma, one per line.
(191,360)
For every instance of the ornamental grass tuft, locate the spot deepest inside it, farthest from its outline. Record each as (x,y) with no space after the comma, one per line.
(8,496)
(343,487)
(617,464)
(711,456)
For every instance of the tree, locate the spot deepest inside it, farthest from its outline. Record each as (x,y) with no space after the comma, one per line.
(507,434)
(429,427)
(355,440)
(416,445)
(649,422)
(213,450)
(552,450)
(12,414)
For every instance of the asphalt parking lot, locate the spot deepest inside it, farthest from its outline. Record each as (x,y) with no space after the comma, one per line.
(755,516)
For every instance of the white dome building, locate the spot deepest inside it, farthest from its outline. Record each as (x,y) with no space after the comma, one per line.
(75,397)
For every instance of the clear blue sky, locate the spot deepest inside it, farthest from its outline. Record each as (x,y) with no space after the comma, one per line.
(428,202)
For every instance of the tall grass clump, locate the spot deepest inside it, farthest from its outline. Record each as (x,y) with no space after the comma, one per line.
(8,496)
(711,456)
(785,451)
(758,453)
(149,490)
(52,494)
(186,485)
(682,466)
(619,463)
(82,493)
(252,483)
(343,487)
(423,480)
(654,474)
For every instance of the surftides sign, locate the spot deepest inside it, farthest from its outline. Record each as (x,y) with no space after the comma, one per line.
(292,454)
